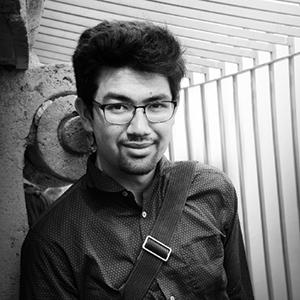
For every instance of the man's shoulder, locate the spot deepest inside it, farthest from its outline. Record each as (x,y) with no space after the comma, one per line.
(208,175)
(217,188)
(212,176)
(63,213)
(208,179)
(211,191)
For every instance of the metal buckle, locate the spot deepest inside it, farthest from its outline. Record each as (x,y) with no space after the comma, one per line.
(157,248)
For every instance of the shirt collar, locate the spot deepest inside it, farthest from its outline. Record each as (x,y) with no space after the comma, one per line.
(96,178)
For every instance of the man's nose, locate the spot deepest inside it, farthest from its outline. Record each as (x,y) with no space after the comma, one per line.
(139,125)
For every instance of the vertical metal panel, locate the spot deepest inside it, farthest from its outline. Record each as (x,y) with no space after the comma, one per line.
(222,127)
(294,126)
(241,167)
(205,124)
(171,149)
(284,242)
(260,186)
(188,124)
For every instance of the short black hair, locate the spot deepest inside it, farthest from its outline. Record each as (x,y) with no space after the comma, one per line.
(141,46)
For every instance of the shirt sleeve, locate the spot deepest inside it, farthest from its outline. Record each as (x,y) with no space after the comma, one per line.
(235,263)
(45,271)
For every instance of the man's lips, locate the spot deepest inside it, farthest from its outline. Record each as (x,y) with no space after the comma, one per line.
(137,145)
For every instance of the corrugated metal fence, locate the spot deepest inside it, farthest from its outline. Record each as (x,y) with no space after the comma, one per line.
(247,124)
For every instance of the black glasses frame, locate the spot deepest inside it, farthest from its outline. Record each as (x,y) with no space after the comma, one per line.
(102,107)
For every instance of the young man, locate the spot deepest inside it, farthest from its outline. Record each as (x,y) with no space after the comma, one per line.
(128,78)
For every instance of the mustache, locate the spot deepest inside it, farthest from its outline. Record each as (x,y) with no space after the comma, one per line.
(138,138)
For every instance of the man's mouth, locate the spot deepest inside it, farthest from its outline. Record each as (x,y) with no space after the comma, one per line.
(137,145)
(138,149)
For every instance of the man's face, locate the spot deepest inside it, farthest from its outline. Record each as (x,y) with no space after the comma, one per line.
(136,147)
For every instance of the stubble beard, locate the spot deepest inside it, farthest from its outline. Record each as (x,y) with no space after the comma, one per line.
(138,165)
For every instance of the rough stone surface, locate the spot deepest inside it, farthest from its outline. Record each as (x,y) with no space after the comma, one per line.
(19,23)
(58,158)
(34,13)
(14,49)
(9,6)
(21,93)
(73,137)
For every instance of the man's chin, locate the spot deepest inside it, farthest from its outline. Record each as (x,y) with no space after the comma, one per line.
(138,166)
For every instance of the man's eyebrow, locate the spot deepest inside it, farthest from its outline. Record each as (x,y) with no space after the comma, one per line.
(116,96)
(120,97)
(158,97)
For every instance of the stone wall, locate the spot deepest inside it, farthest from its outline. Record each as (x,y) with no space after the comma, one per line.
(39,155)
(21,94)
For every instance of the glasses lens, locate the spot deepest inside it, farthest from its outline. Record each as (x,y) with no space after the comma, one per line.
(160,111)
(118,113)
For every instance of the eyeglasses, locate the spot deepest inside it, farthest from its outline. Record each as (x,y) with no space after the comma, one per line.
(123,113)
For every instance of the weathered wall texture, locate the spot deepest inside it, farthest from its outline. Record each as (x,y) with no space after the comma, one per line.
(19,23)
(21,93)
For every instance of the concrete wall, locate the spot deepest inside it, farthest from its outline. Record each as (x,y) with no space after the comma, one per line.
(21,93)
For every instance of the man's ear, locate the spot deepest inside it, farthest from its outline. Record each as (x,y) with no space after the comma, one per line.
(85,114)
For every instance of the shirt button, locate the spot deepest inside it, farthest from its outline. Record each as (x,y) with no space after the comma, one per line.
(144,214)
(172,298)
(125,193)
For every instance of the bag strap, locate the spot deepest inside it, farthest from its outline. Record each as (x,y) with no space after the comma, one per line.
(155,250)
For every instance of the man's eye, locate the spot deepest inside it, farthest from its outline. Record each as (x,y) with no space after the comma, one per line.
(158,105)
(117,107)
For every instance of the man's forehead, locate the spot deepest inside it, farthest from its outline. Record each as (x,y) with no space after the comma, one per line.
(125,83)
(126,73)
(124,98)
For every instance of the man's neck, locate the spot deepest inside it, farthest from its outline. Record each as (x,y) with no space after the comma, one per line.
(137,184)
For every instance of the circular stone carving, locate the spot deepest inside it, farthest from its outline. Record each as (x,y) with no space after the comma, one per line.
(72,136)
(61,140)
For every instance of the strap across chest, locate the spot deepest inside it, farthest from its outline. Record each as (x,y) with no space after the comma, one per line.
(156,250)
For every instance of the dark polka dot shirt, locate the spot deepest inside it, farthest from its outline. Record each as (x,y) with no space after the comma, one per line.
(86,244)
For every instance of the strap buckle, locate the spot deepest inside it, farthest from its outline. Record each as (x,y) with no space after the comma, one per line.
(157,248)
